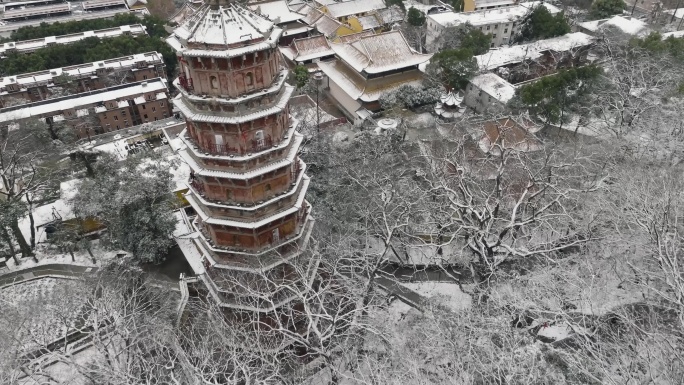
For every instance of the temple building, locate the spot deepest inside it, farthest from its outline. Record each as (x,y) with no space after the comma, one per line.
(247,184)
(369,67)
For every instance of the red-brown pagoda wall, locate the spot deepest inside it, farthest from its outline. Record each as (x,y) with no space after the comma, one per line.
(253,239)
(248,73)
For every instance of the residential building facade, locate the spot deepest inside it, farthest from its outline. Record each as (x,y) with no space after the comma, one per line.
(42,85)
(248,184)
(100,111)
(501,23)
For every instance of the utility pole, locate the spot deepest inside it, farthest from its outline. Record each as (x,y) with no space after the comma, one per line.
(318,79)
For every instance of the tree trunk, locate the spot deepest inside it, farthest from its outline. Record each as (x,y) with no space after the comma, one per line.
(31,221)
(90,252)
(8,239)
(23,246)
(89,167)
(73,258)
(51,129)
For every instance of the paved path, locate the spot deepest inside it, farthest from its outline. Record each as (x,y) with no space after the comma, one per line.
(58,269)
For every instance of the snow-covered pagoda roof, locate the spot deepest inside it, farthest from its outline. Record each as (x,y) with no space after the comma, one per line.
(224,27)
(379,53)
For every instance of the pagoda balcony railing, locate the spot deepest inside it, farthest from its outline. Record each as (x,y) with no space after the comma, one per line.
(185,82)
(295,175)
(227,149)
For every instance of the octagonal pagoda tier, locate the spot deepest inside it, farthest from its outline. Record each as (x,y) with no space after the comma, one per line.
(247,184)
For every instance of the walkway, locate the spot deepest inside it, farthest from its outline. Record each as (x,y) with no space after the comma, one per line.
(61,270)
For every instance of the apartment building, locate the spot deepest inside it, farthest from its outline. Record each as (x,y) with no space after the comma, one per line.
(99,111)
(28,46)
(501,23)
(42,85)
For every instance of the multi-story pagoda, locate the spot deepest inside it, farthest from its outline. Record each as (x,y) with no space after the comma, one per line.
(248,184)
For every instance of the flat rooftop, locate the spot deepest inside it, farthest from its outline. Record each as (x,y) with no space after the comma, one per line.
(35,44)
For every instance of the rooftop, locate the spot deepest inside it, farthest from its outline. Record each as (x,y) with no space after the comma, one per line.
(367,90)
(494,86)
(490,16)
(375,54)
(626,24)
(80,70)
(353,7)
(277,11)
(503,56)
(32,45)
(307,48)
(226,25)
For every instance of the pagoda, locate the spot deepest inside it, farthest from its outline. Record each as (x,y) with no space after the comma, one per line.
(247,182)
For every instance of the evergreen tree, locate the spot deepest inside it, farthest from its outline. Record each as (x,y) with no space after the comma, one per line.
(541,24)
(602,9)
(301,75)
(415,17)
(453,68)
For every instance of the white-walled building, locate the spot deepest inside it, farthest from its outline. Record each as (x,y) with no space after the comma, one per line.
(488,93)
(502,23)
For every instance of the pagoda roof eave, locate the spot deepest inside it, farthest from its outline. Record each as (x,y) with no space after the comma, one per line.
(190,114)
(271,42)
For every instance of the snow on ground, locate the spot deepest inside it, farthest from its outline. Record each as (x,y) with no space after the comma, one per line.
(445,293)
(47,254)
(37,312)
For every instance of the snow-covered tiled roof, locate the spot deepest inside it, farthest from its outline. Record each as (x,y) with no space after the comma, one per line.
(355,36)
(367,90)
(354,7)
(370,22)
(489,16)
(277,11)
(625,24)
(503,56)
(390,15)
(379,53)
(308,48)
(676,35)
(311,14)
(494,86)
(224,25)
(327,25)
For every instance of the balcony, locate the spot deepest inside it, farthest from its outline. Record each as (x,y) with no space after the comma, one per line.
(186,83)
(227,150)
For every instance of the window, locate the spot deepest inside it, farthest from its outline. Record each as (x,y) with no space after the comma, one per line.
(145,116)
(154,109)
(117,127)
(259,137)
(276,235)
(229,195)
(267,187)
(116,118)
(249,79)
(213,81)
(494,36)
(161,104)
(218,140)
(123,112)
(143,106)
(488,27)
(125,123)
(491,45)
